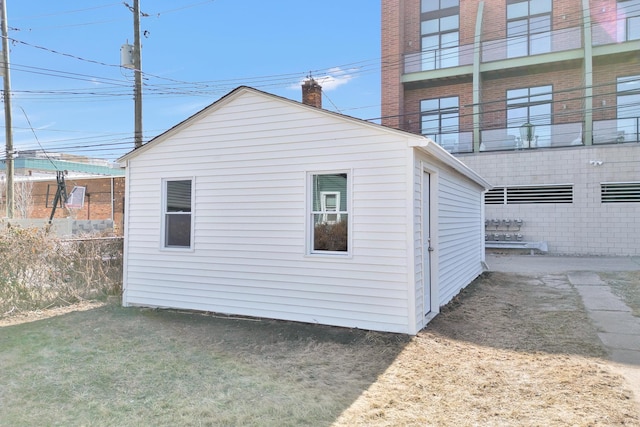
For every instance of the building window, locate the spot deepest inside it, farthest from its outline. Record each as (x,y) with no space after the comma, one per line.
(329,220)
(530,106)
(628,113)
(628,20)
(435,5)
(177,213)
(440,35)
(528,27)
(440,121)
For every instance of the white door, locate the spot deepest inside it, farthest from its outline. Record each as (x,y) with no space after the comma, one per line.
(427,250)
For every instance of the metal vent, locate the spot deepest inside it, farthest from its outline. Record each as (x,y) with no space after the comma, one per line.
(495,196)
(620,192)
(540,194)
(530,194)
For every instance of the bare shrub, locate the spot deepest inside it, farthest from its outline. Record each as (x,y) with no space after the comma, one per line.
(330,237)
(39,269)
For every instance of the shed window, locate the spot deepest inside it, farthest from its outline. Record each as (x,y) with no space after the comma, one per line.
(177,215)
(329,219)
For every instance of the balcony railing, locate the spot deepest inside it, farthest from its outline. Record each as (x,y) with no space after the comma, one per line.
(545,136)
(458,142)
(437,59)
(605,31)
(560,135)
(495,50)
(616,131)
(532,44)
(608,31)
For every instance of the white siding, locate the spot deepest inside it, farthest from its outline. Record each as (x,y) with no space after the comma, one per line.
(460,235)
(249,158)
(456,232)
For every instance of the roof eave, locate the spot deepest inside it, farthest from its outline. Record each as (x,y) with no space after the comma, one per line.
(430,147)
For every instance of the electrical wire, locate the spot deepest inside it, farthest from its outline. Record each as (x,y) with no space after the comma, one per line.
(212,86)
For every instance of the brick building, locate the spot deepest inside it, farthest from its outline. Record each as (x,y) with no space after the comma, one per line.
(540,97)
(35,187)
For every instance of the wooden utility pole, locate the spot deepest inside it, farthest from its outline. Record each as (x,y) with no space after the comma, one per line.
(137,63)
(7,111)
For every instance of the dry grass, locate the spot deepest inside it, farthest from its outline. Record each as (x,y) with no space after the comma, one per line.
(40,270)
(627,286)
(509,351)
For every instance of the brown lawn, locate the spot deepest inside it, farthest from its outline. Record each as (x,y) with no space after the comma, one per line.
(510,350)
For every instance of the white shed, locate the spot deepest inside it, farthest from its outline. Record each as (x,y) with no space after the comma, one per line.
(262,206)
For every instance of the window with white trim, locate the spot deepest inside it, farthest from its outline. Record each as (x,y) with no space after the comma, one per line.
(177,206)
(330,203)
(329,219)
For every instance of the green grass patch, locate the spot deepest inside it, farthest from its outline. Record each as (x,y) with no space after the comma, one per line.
(117,366)
(626,285)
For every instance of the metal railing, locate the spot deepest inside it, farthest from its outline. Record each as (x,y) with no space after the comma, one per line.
(437,59)
(455,142)
(532,44)
(616,131)
(609,31)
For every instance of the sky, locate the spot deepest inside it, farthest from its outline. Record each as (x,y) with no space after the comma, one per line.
(70,94)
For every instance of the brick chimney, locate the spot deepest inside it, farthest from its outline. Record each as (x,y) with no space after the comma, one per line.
(312,93)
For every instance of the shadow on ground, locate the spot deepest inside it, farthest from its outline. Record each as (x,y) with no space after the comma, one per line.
(522,313)
(117,366)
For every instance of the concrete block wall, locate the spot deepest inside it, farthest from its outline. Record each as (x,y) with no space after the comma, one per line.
(584,227)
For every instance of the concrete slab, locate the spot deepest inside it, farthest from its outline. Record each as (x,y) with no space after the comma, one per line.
(627,357)
(584,278)
(601,298)
(621,341)
(615,321)
(549,264)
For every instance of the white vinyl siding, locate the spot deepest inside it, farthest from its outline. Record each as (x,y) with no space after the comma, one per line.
(460,234)
(456,232)
(250,158)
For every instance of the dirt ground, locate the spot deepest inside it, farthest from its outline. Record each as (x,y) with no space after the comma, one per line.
(509,350)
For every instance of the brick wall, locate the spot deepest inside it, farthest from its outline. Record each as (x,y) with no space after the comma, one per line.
(392,65)
(568,97)
(98,203)
(605,77)
(401,35)
(464,90)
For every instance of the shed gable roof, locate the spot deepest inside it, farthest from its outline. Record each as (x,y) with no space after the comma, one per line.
(413,140)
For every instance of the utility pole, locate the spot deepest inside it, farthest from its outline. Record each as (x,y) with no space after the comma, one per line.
(7,111)
(137,63)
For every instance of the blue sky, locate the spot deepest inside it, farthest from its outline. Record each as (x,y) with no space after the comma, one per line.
(71,95)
